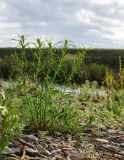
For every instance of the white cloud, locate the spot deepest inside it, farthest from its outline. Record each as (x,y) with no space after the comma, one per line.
(3,18)
(107,2)
(102,2)
(117,33)
(85,16)
(6,25)
(112,11)
(2,5)
(94,32)
(34,1)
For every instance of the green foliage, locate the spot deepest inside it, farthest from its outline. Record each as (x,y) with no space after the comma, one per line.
(44,113)
(9,121)
(105,106)
(113,80)
(109,78)
(96,72)
(108,57)
(115,102)
(9,66)
(89,91)
(5,67)
(120,78)
(40,108)
(96,60)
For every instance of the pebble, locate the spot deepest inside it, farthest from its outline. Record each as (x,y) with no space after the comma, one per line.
(112,131)
(13,145)
(49,138)
(47,153)
(36,158)
(40,147)
(122,145)
(32,152)
(102,140)
(58,157)
(30,137)
(54,145)
(10,151)
(57,148)
(55,151)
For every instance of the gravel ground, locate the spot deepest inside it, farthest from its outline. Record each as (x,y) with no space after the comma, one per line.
(98,143)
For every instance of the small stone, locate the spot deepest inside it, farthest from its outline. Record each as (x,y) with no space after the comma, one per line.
(31,152)
(53,152)
(104,133)
(51,148)
(75,157)
(122,145)
(72,154)
(58,133)
(102,126)
(29,137)
(47,153)
(101,140)
(12,158)
(36,158)
(8,151)
(43,156)
(46,145)
(111,131)
(54,145)
(11,151)
(58,150)
(58,157)
(24,143)
(13,145)
(63,142)
(40,147)
(49,138)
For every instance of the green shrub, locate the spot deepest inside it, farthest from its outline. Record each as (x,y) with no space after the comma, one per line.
(9,66)
(96,72)
(5,66)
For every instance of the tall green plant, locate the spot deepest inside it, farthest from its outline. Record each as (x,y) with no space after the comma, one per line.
(42,109)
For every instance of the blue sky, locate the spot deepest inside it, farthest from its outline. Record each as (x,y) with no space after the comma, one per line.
(90,23)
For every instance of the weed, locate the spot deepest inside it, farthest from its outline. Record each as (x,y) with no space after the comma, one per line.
(120,80)
(104,109)
(9,121)
(41,111)
(117,81)
(109,79)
